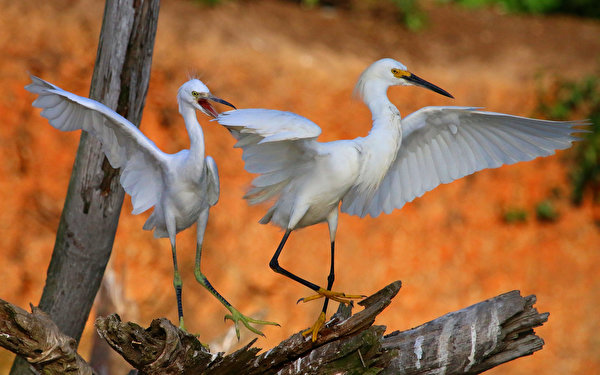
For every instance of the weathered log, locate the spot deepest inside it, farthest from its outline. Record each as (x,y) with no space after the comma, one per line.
(91,212)
(471,340)
(36,337)
(94,198)
(468,341)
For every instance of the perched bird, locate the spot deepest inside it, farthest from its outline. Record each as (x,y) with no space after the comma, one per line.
(400,159)
(181,187)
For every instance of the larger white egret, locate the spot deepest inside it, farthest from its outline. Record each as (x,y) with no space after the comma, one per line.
(399,160)
(181,187)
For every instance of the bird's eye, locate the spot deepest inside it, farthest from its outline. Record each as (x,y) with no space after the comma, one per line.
(399,73)
(195,93)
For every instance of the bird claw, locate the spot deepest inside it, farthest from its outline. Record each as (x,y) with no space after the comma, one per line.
(237,317)
(334,296)
(314,330)
(181,325)
(196,335)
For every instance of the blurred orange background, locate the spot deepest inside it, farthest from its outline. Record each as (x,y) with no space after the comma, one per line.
(450,248)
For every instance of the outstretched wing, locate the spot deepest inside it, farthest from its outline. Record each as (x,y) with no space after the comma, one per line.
(442,144)
(125,146)
(213,187)
(276,144)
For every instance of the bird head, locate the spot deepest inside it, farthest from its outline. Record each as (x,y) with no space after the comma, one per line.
(389,72)
(194,93)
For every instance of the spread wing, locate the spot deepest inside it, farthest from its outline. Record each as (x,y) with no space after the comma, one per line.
(442,144)
(212,174)
(277,145)
(125,146)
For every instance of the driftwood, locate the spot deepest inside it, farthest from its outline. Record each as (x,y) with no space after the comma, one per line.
(468,341)
(93,203)
(90,216)
(37,338)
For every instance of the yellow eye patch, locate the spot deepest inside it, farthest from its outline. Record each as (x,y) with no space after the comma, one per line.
(399,73)
(195,94)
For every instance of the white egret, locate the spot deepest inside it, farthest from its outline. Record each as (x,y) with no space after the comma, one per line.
(400,159)
(181,187)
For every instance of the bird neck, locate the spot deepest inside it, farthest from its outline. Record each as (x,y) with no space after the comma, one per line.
(383,139)
(194,131)
(383,112)
(385,115)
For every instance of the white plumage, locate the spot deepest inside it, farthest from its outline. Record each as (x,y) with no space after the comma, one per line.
(442,144)
(181,187)
(399,160)
(177,185)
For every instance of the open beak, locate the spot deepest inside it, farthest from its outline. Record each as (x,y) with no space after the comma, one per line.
(207,106)
(418,81)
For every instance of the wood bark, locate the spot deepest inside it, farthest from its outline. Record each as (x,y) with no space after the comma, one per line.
(37,338)
(467,341)
(91,211)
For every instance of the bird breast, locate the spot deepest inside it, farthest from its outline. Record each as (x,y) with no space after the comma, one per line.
(318,191)
(377,152)
(186,200)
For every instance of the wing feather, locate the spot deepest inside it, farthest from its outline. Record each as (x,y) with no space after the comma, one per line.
(442,144)
(126,147)
(214,187)
(277,145)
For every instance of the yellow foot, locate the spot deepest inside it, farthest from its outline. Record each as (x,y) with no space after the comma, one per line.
(314,330)
(334,296)
(237,317)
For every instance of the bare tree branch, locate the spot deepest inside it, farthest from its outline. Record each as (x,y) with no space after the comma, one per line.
(91,212)
(471,340)
(467,341)
(37,338)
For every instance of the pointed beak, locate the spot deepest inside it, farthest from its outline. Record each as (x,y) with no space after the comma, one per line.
(418,81)
(219,100)
(207,107)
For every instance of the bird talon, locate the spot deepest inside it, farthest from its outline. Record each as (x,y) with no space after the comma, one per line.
(237,317)
(310,298)
(334,296)
(314,330)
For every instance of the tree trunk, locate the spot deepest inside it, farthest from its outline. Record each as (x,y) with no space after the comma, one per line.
(467,341)
(36,337)
(91,212)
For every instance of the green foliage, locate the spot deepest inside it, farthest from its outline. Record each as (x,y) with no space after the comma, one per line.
(409,12)
(310,3)
(209,2)
(414,18)
(584,8)
(545,211)
(515,6)
(563,101)
(514,215)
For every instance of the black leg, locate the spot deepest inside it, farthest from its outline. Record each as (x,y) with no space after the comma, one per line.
(177,283)
(274,264)
(331,277)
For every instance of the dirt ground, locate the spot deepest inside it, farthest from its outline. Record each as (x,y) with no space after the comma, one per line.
(450,248)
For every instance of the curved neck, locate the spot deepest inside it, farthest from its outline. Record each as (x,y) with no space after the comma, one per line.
(194,131)
(374,94)
(385,135)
